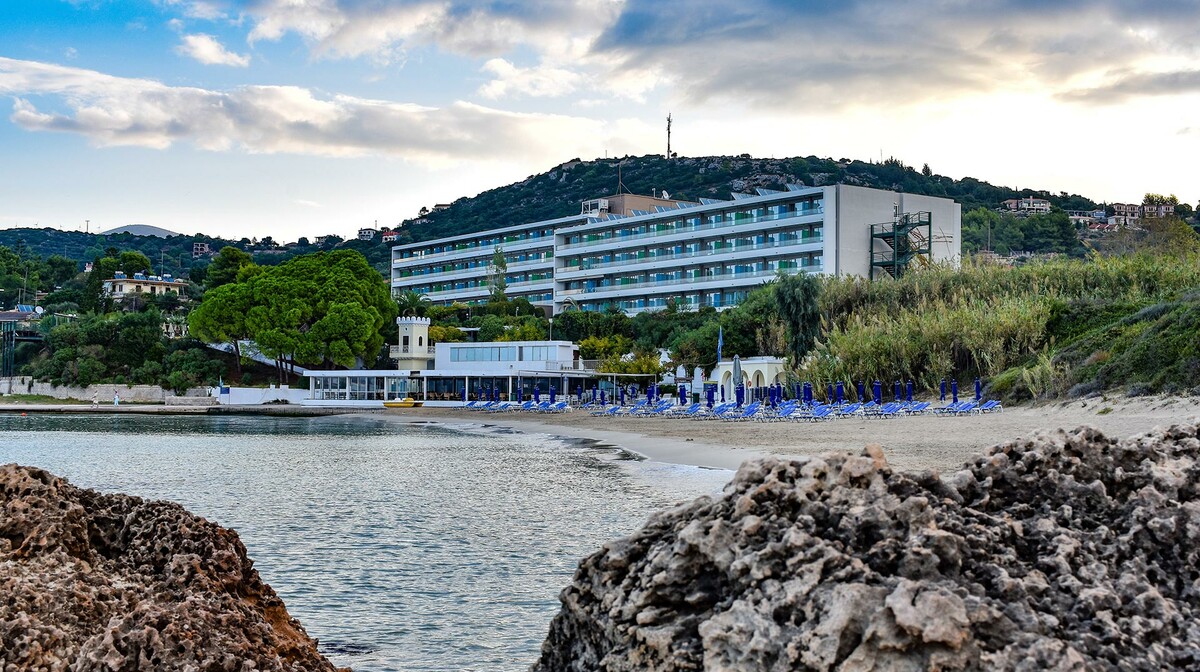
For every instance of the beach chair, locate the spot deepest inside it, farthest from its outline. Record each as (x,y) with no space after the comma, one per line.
(919,408)
(560,407)
(948,408)
(500,408)
(966,408)
(820,414)
(471,405)
(851,410)
(991,406)
(610,410)
(746,414)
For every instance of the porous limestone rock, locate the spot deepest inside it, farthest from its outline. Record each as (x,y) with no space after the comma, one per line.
(110,582)
(1068,551)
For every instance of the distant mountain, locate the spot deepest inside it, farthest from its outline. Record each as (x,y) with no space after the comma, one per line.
(559,191)
(140,230)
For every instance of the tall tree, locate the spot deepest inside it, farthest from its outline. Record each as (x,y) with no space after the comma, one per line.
(798,297)
(226,265)
(221,318)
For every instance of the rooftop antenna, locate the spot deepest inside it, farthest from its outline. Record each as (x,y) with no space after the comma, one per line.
(620,184)
(668,135)
(87,226)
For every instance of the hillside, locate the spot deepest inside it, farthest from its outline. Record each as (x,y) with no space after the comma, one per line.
(559,192)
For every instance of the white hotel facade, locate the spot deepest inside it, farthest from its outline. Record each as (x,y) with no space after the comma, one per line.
(636,252)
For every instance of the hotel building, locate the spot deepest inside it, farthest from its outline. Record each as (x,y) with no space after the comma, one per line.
(637,252)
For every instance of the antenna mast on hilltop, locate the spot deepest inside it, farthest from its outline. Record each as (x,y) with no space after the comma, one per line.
(668,135)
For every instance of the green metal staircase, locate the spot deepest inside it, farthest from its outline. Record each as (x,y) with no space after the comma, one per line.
(898,244)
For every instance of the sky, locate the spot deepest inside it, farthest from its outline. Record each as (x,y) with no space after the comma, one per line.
(294,118)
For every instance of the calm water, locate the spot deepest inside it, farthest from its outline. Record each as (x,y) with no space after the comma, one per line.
(399,547)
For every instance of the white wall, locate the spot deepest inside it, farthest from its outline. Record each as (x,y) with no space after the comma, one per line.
(104,393)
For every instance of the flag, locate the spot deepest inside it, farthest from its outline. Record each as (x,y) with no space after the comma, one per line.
(720,342)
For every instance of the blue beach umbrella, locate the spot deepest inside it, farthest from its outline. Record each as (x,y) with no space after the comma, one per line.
(552,391)
(741,394)
(710,392)
(800,391)
(841,392)
(897,390)
(537,394)
(808,393)
(861,392)
(466,393)
(722,394)
(621,395)
(829,393)
(908,391)
(943,397)
(954,390)
(603,402)
(878,390)
(978,389)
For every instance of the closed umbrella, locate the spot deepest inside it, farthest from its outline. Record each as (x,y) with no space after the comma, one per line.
(737,372)
(519,396)
(943,388)
(800,391)
(908,392)
(552,392)
(741,393)
(978,389)
(710,392)
(898,390)
(621,394)
(954,390)
(808,394)
(593,394)
(722,394)
(840,393)
(861,393)
(602,401)
(537,393)
(878,390)
(829,393)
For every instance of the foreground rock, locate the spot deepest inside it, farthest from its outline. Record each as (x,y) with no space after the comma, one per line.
(1068,552)
(109,582)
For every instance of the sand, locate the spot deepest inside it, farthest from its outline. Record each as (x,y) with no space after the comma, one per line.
(912,443)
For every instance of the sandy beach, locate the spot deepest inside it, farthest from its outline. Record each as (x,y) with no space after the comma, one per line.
(913,443)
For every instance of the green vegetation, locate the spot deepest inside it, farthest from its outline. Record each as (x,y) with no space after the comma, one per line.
(320,310)
(986,229)
(558,192)
(1043,329)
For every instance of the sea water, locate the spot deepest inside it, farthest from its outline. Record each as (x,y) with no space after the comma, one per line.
(398,546)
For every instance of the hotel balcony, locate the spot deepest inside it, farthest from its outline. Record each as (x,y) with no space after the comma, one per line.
(667,230)
(410,352)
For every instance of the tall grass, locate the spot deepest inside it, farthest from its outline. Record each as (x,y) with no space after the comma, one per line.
(977,320)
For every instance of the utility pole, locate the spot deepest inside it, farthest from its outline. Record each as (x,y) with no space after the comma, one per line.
(668,135)
(87,226)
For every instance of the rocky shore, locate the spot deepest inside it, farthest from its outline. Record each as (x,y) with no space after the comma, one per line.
(110,582)
(1071,551)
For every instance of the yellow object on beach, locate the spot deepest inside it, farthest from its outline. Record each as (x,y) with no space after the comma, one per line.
(407,402)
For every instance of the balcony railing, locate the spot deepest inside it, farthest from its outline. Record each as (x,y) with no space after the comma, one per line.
(700,254)
(601,239)
(718,277)
(408,352)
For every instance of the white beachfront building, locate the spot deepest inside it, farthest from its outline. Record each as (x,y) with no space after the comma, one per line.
(509,370)
(637,252)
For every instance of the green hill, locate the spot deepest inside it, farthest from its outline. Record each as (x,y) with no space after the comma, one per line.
(559,192)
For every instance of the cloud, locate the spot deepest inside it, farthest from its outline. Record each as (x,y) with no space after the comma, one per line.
(381,30)
(307,204)
(208,10)
(541,81)
(70,53)
(207,50)
(1138,85)
(118,111)
(826,54)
